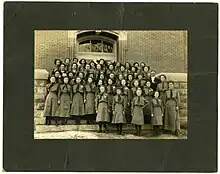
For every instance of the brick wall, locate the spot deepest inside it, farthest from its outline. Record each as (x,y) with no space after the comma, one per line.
(165,51)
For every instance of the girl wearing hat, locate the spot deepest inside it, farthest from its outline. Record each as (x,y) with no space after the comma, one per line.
(111,92)
(82,65)
(57,63)
(127,100)
(99,69)
(148,95)
(89,94)
(134,71)
(92,67)
(172,103)
(130,81)
(67,64)
(162,87)
(134,88)
(50,106)
(77,108)
(117,67)
(74,69)
(118,110)
(157,113)
(71,78)
(75,60)
(102,109)
(87,71)
(62,68)
(137,106)
(146,73)
(110,69)
(120,78)
(65,99)
(58,76)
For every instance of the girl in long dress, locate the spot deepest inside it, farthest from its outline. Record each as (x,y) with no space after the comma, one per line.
(77,108)
(51,106)
(162,87)
(65,100)
(157,113)
(90,89)
(111,89)
(137,106)
(172,103)
(102,109)
(126,93)
(118,111)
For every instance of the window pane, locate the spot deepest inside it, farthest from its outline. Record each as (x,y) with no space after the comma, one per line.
(84,46)
(96,46)
(107,47)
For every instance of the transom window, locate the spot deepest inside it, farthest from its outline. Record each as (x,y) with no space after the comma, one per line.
(96,45)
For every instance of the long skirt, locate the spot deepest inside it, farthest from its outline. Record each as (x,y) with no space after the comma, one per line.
(77,108)
(64,105)
(90,104)
(127,109)
(147,111)
(118,116)
(102,115)
(110,102)
(137,116)
(50,107)
(171,117)
(157,119)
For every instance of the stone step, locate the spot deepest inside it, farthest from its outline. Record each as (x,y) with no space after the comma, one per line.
(84,127)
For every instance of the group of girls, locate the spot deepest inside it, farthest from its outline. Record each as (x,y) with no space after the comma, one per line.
(106,92)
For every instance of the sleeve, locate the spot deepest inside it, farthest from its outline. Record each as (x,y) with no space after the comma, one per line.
(123,104)
(151,107)
(178,98)
(129,96)
(113,104)
(59,93)
(157,89)
(46,91)
(96,102)
(132,106)
(84,93)
(71,93)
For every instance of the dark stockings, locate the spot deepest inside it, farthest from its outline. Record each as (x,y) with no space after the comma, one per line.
(105,127)
(48,120)
(138,130)
(157,130)
(56,121)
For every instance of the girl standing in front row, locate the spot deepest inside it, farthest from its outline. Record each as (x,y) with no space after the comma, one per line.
(65,100)
(157,113)
(118,111)
(51,100)
(137,106)
(77,108)
(172,102)
(102,109)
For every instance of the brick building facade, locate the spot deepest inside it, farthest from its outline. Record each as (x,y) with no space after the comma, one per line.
(165,51)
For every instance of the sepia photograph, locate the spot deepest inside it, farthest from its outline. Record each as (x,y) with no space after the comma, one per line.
(110,84)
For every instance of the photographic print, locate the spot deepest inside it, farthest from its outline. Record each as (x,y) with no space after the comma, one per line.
(110,84)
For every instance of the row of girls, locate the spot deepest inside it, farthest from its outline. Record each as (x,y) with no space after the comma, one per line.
(110,92)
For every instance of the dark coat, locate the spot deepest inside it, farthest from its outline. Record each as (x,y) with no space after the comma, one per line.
(154,83)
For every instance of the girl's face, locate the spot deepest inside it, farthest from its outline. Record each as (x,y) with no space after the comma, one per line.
(57,74)
(118,91)
(102,62)
(123,82)
(145,69)
(92,64)
(64,75)
(75,60)
(102,89)
(87,66)
(122,68)
(139,77)
(67,61)
(66,80)
(110,81)
(130,77)
(156,94)
(83,61)
(136,65)
(102,76)
(98,66)
(62,67)
(90,80)
(71,75)
(127,65)
(118,64)
(120,76)
(74,66)
(112,76)
(81,75)
(162,78)
(153,73)
(136,83)
(91,75)
(58,62)
(133,69)
(100,83)
(78,80)
(52,79)
(142,64)
(111,67)
(148,84)
(138,92)
(171,85)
